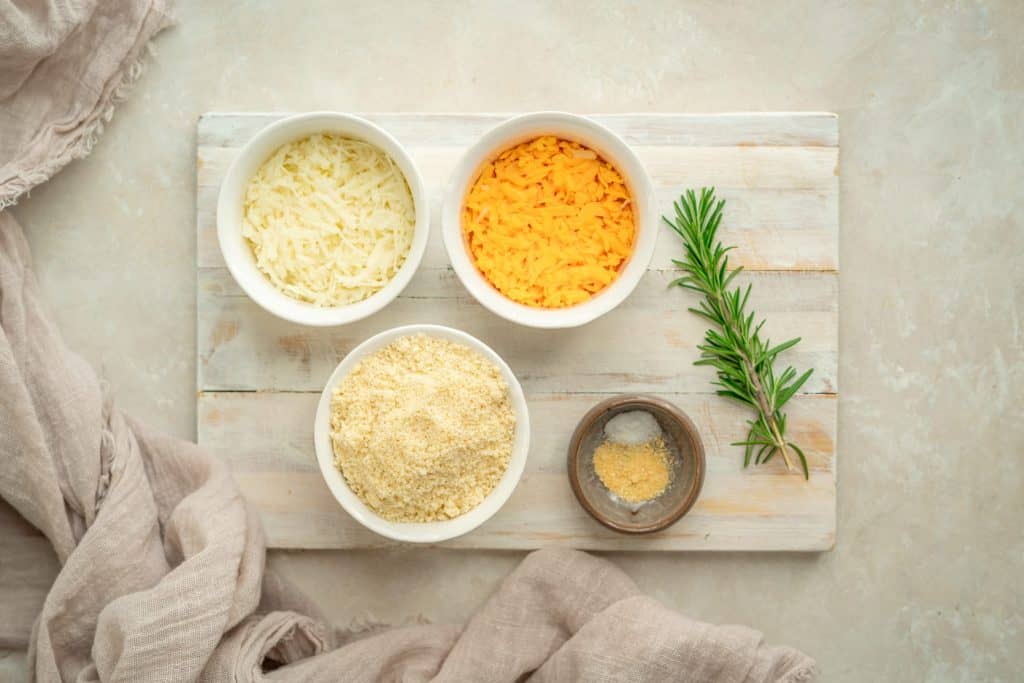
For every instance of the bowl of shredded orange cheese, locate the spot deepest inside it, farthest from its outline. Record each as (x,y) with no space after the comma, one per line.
(549,220)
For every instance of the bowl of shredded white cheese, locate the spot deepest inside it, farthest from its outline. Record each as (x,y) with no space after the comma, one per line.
(322,218)
(422,433)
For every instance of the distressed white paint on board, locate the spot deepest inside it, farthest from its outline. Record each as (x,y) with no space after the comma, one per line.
(259,377)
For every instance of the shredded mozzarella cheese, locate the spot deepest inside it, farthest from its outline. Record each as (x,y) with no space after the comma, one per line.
(330,219)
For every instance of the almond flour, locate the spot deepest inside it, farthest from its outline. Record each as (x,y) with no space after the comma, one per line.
(422,429)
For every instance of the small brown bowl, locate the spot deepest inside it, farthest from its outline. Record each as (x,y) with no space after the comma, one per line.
(687,462)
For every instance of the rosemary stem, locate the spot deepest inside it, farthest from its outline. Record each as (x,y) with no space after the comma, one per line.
(762,400)
(781,443)
(755,381)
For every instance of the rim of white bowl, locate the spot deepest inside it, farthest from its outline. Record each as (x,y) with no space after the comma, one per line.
(421,532)
(238,255)
(605,142)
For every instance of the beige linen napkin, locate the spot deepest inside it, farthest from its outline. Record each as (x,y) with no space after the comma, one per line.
(64,64)
(162,562)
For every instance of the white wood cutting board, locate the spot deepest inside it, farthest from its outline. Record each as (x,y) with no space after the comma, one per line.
(259,377)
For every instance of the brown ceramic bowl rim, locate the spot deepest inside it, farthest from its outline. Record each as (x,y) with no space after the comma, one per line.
(638,401)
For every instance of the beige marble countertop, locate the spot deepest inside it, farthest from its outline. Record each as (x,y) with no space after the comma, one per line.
(924,581)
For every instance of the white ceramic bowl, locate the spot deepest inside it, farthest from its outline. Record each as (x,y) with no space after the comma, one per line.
(237,253)
(420,532)
(571,127)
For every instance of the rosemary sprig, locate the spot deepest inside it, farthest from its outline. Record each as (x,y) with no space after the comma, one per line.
(744,362)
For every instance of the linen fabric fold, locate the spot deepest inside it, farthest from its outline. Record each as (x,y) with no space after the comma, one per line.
(64,64)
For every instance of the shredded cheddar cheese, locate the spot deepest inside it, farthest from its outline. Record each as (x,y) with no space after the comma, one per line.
(549,223)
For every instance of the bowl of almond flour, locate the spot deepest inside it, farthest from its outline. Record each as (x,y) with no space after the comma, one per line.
(422,433)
